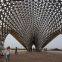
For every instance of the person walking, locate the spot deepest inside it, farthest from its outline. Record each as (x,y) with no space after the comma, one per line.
(16,51)
(7,54)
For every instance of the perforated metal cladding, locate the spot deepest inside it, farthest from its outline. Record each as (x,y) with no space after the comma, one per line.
(41,19)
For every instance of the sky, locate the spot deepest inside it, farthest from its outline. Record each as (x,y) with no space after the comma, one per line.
(55,43)
(12,42)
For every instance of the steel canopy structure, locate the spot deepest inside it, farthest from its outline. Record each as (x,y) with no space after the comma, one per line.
(31,21)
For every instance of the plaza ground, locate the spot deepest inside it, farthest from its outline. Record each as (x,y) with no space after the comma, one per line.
(35,57)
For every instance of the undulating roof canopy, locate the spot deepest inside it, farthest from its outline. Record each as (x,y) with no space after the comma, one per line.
(34,21)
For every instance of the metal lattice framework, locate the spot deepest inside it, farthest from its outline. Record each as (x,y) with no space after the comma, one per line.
(35,21)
